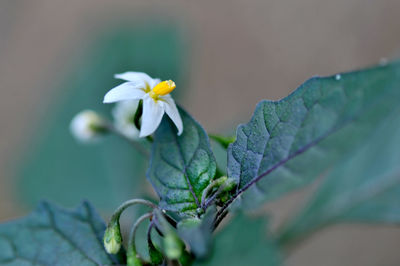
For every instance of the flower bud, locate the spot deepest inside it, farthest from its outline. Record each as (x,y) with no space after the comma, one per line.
(113,238)
(173,246)
(124,118)
(229,184)
(87,125)
(132,258)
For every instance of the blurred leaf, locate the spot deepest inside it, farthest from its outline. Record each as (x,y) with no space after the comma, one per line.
(182,166)
(173,247)
(290,142)
(111,171)
(365,187)
(55,236)
(244,242)
(197,233)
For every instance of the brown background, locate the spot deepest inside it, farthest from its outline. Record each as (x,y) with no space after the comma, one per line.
(241,52)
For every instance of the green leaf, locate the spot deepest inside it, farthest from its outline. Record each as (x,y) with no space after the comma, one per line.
(55,236)
(197,233)
(182,166)
(244,242)
(290,142)
(365,187)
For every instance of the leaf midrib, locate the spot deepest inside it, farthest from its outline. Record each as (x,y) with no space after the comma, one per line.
(186,165)
(300,151)
(62,235)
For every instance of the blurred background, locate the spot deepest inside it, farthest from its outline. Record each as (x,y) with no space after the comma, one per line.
(58,57)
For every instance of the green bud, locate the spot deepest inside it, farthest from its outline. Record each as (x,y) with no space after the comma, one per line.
(156,256)
(173,246)
(186,259)
(132,258)
(224,197)
(221,180)
(113,238)
(229,184)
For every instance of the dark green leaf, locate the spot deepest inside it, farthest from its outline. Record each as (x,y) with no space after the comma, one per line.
(55,236)
(244,242)
(365,187)
(289,143)
(197,232)
(181,167)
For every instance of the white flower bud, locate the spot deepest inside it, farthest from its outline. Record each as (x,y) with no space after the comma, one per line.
(87,125)
(124,115)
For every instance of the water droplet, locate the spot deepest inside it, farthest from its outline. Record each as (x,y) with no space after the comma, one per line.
(383,61)
(338,77)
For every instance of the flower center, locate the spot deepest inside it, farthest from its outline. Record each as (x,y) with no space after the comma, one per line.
(162,88)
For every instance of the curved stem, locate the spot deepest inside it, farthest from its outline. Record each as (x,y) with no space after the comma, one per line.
(129,203)
(151,226)
(132,234)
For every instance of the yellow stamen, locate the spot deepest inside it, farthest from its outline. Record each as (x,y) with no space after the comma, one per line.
(164,87)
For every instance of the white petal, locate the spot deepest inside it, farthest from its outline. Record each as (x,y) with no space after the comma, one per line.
(155,82)
(137,77)
(125,91)
(173,113)
(152,115)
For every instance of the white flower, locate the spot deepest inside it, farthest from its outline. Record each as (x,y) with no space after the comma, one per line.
(124,114)
(87,125)
(155,96)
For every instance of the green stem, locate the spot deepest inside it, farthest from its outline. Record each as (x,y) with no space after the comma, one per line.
(222,140)
(126,204)
(132,234)
(136,259)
